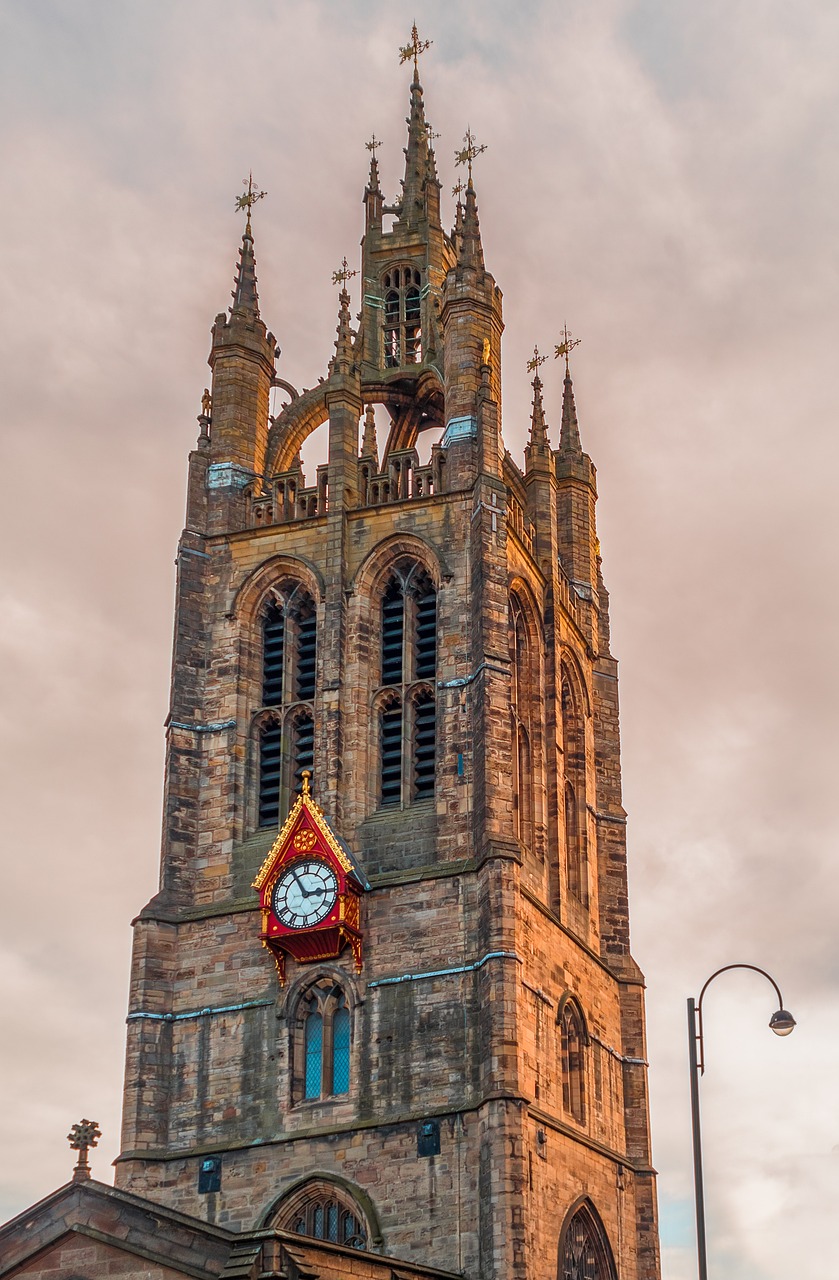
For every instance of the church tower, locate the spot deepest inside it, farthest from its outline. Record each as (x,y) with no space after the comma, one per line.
(384,997)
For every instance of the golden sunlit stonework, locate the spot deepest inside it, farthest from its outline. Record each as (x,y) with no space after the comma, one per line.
(394,718)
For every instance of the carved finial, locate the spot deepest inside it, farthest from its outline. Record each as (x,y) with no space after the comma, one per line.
(413,50)
(82,1137)
(535,361)
(344,274)
(249,199)
(565,347)
(305,776)
(469,151)
(429,135)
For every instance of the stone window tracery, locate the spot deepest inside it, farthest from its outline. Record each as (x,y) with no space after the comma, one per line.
(406,700)
(325,1211)
(402,316)
(285,724)
(584,1252)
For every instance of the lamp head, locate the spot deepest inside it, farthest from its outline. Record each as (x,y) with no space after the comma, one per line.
(781,1022)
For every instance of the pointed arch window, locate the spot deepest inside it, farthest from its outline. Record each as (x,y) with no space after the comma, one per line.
(572,1039)
(402,316)
(406,699)
(574,790)
(324,1211)
(584,1252)
(524,696)
(285,732)
(322,1043)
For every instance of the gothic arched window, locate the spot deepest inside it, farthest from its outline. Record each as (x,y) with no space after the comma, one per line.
(407,715)
(402,317)
(321,1048)
(285,737)
(572,1039)
(574,757)
(325,1211)
(523,696)
(584,1252)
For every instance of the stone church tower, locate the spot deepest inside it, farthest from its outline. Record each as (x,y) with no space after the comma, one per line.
(452,1081)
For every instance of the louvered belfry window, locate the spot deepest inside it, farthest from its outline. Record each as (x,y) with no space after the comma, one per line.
(286,720)
(407,699)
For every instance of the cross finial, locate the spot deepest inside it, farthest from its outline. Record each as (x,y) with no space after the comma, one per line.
(565,347)
(413,50)
(469,152)
(82,1137)
(372,145)
(458,189)
(344,274)
(249,199)
(535,361)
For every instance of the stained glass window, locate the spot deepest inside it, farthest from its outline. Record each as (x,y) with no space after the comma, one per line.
(314,1055)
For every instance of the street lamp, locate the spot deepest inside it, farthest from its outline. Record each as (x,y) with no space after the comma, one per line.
(782,1023)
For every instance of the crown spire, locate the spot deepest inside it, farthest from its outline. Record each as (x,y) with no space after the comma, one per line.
(369,441)
(245,295)
(342,360)
(538,426)
(419,163)
(569,435)
(471,252)
(373,181)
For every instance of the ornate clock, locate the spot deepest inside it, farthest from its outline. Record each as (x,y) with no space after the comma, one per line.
(310,887)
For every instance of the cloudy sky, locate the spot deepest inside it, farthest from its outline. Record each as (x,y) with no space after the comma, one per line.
(661,175)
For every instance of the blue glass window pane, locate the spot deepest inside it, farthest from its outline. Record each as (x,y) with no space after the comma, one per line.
(332,1221)
(341,1051)
(317,1223)
(314,1055)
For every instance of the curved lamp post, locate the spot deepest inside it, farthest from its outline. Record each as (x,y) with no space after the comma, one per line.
(781,1023)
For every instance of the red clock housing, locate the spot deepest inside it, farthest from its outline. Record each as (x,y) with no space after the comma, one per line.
(305,843)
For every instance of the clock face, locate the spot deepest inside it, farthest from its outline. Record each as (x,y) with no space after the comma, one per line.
(305,894)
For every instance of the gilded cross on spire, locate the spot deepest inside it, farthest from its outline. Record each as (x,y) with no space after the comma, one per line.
(429,135)
(249,199)
(344,274)
(372,145)
(469,152)
(458,189)
(414,49)
(565,347)
(535,361)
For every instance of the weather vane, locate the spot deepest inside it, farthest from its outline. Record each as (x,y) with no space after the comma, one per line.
(414,49)
(565,347)
(469,152)
(535,361)
(341,277)
(249,199)
(372,145)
